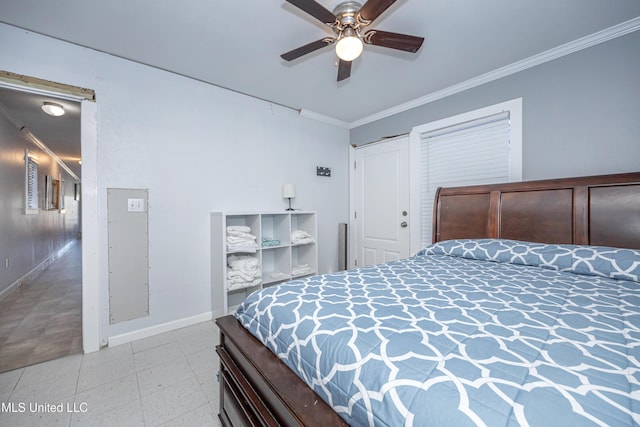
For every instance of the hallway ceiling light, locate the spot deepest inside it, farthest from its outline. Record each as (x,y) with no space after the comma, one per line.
(53,109)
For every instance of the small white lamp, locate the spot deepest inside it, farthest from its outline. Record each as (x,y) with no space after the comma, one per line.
(289,192)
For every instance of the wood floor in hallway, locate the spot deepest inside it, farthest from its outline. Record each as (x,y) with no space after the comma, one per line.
(42,319)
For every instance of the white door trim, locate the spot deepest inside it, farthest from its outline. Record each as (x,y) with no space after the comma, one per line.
(89,211)
(89,197)
(352,232)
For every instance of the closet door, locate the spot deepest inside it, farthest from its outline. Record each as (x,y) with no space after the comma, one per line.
(381,218)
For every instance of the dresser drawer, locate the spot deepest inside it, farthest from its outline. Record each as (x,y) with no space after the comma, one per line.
(233,407)
(239,405)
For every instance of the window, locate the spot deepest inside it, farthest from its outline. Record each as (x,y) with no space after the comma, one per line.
(31,184)
(480,147)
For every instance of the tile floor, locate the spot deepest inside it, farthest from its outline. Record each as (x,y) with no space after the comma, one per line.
(42,319)
(168,379)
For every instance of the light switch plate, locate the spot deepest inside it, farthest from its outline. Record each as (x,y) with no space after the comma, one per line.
(135,205)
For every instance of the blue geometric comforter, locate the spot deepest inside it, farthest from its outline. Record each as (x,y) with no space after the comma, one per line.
(466,333)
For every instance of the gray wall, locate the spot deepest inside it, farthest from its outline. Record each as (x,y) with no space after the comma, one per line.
(213,150)
(27,240)
(581,112)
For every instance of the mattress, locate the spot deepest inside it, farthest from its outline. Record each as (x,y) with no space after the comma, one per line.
(467,332)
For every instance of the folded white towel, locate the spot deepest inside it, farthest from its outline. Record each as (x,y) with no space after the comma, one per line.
(243,262)
(299,270)
(240,239)
(240,234)
(243,271)
(240,228)
(241,276)
(279,276)
(239,249)
(236,239)
(232,286)
(299,237)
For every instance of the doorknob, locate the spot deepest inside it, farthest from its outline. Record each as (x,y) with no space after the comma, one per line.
(403,224)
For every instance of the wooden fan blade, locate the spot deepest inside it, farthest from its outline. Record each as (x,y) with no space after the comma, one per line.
(393,40)
(307,48)
(374,8)
(315,9)
(344,70)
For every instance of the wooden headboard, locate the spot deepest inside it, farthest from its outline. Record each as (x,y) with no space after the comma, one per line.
(595,210)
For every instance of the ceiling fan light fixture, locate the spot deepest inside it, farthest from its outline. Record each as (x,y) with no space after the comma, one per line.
(348,20)
(349,46)
(53,109)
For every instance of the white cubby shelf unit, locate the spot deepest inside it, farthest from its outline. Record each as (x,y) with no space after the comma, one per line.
(279,260)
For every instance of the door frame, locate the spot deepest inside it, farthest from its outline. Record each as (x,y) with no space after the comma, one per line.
(91,340)
(353,221)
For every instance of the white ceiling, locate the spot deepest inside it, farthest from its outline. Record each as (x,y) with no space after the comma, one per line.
(236,44)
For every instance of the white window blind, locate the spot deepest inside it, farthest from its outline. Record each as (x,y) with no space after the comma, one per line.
(31,169)
(470,153)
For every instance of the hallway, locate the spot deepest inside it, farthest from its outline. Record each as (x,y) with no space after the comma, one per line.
(42,319)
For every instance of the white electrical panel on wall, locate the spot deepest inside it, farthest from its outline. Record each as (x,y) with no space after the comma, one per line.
(128,233)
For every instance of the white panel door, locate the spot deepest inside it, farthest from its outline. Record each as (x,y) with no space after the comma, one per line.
(382,202)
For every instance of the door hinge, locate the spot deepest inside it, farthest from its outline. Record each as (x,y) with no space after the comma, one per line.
(354,165)
(355,262)
(355,215)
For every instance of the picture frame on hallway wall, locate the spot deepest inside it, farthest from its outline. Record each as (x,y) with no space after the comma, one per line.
(52,193)
(61,195)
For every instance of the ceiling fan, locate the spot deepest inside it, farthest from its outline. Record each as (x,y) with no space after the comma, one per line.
(347,22)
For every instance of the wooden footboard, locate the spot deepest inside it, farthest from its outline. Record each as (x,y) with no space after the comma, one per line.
(256,389)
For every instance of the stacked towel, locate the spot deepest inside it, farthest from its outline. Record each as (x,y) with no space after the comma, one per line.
(300,270)
(243,271)
(240,239)
(280,276)
(300,237)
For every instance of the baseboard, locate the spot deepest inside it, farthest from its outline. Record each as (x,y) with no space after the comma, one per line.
(34,271)
(158,329)
(12,287)
(219,313)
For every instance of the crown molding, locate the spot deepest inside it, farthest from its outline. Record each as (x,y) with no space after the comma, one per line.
(322,118)
(549,55)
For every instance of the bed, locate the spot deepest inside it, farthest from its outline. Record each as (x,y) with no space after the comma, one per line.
(525,311)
